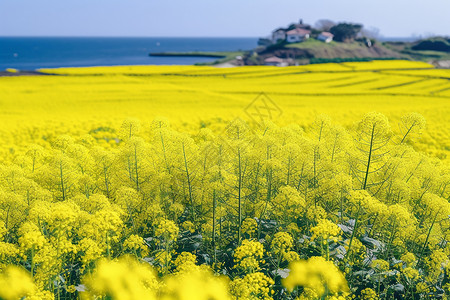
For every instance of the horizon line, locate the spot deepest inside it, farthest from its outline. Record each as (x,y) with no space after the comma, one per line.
(143,36)
(122,36)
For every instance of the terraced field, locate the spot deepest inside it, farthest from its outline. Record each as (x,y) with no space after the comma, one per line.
(194,95)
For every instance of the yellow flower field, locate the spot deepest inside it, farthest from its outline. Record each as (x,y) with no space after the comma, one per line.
(327,181)
(190,96)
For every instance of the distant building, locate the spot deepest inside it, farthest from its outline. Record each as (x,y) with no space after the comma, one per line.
(275,61)
(278,34)
(302,26)
(325,37)
(297,35)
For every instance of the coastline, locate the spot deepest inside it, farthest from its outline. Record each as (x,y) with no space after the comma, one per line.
(190,54)
(23,73)
(224,58)
(36,72)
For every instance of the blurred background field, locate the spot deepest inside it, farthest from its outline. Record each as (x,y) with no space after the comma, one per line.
(85,100)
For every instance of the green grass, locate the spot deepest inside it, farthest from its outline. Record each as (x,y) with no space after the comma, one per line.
(310,43)
(316,44)
(426,55)
(337,51)
(350,59)
(420,55)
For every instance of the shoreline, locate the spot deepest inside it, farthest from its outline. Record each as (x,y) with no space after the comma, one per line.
(223,60)
(36,72)
(23,73)
(190,54)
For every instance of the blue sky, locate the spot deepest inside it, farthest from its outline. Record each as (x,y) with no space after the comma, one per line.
(244,18)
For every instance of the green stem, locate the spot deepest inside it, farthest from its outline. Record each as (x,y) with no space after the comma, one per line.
(239,195)
(63,189)
(136,168)
(214,227)
(353,234)
(404,137)
(107,247)
(391,240)
(369,158)
(188,178)
(426,240)
(106,181)
(32,262)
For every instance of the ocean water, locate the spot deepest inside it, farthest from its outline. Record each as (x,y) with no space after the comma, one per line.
(30,53)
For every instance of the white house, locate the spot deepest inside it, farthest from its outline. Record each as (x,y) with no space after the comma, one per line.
(297,35)
(325,37)
(279,34)
(275,61)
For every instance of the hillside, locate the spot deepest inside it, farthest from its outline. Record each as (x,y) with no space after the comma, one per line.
(313,49)
(433,50)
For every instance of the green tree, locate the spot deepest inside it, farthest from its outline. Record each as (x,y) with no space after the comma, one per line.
(345,32)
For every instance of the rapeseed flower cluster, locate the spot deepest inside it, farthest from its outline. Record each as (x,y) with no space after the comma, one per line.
(249,227)
(369,294)
(326,230)
(247,256)
(318,276)
(167,230)
(281,242)
(157,213)
(15,283)
(122,279)
(252,286)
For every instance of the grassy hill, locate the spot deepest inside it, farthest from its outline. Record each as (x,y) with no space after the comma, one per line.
(425,50)
(311,49)
(343,50)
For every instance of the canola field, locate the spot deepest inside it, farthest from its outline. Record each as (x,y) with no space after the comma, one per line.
(326,181)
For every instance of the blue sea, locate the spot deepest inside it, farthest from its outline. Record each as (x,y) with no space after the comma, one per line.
(30,53)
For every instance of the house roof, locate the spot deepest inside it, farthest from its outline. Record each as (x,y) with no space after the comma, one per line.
(303,26)
(327,34)
(274,59)
(298,31)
